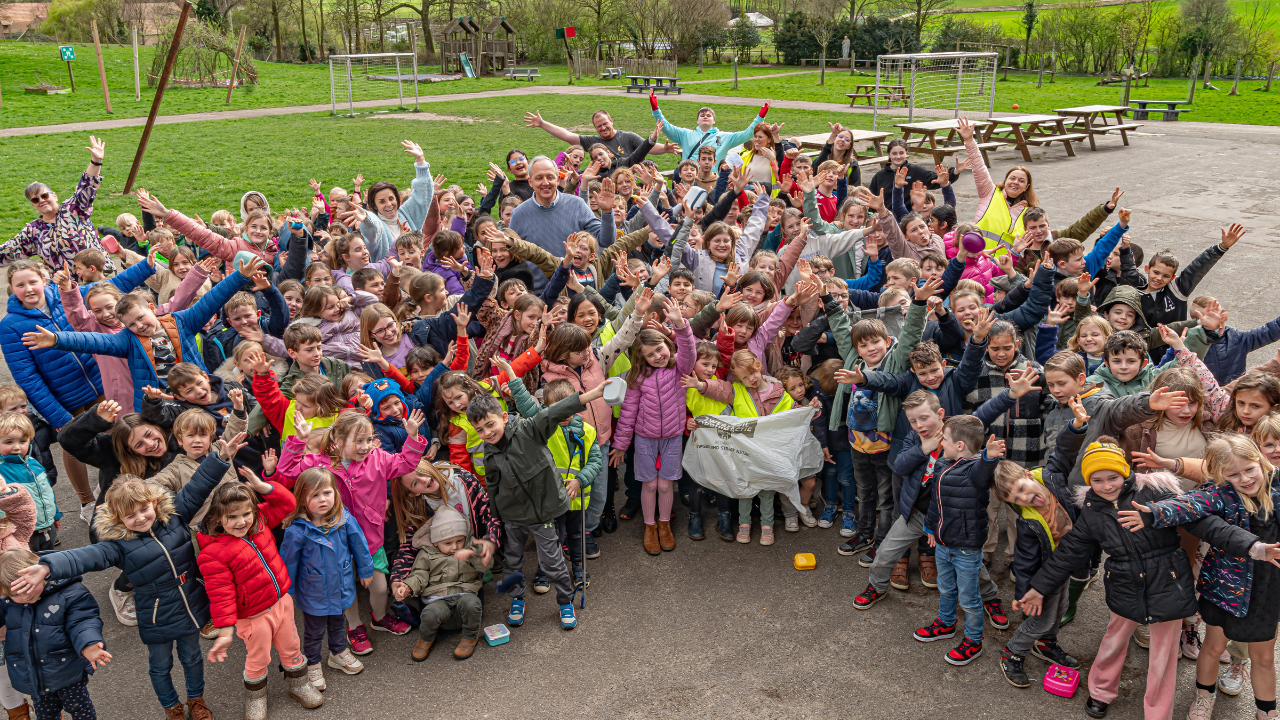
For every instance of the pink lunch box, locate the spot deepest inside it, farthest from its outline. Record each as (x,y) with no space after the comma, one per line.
(1061,681)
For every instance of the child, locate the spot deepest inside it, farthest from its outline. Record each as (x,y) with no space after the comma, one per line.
(526,490)
(303,344)
(192,389)
(249,589)
(293,291)
(1091,336)
(446,576)
(348,255)
(337,316)
(1161,596)
(956,525)
(1166,297)
(196,432)
(68,614)
(14,400)
(256,237)
(18,467)
(653,413)
(143,530)
(802,392)
(346,449)
(322,545)
(87,265)
(1238,599)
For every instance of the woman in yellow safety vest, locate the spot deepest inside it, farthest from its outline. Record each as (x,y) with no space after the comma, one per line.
(1001,208)
(761,158)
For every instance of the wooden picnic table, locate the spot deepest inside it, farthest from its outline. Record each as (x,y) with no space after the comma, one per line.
(655,83)
(894,93)
(1168,113)
(816,141)
(927,142)
(1023,130)
(1092,119)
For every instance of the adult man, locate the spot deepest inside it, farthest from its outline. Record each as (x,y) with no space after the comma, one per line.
(550,216)
(706,133)
(63,230)
(621,143)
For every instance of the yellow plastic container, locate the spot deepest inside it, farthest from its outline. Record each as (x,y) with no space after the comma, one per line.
(805,561)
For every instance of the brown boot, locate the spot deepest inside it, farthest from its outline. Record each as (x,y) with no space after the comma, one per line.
(466,646)
(421,649)
(198,710)
(898,579)
(928,571)
(20,713)
(665,538)
(651,545)
(177,712)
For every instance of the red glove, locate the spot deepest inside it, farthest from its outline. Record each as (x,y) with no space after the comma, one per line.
(764,109)
(653,100)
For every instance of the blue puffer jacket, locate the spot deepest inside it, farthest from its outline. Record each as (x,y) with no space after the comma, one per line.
(127,345)
(958,511)
(161,564)
(320,564)
(1225,578)
(1227,357)
(44,640)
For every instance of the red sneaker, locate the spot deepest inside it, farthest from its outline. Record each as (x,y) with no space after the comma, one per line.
(964,653)
(869,597)
(389,623)
(358,639)
(936,631)
(995,613)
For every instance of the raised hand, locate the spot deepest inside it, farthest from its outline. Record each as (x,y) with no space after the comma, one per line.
(373,355)
(1213,317)
(850,377)
(739,177)
(900,176)
(1171,338)
(1023,384)
(236,396)
(62,279)
(108,410)
(995,447)
(39,338)
(659,269)
(97,149)
(982,325)
(315,184)
(412,148)
(1231,235)
(625,276)
(152,204)
(232,446)
(928,289)
(728,300)
(301,427)
(1081,416)
(1132,519)
(730,276)
(944,175)
(269,461)
(1151,461)
(965,129)
(252,266)
(1059,314)
(1085,283)
(156,393)
(1163,398)
(605,198)
(1115,199)
(413,422)
(450,353)
(643,301)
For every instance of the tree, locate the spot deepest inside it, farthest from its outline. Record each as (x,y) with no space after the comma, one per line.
(423,11)
(1208,26)
(1028,23)
(743,35)
(824,25)
(919,12)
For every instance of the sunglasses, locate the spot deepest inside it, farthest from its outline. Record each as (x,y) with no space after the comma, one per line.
(40,198)
(516,160)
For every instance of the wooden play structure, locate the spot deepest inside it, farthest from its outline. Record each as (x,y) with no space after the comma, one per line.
(461,37)
(486,49)
(497,54)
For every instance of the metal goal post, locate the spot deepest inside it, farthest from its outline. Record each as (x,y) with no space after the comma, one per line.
(358,78)
(935,85)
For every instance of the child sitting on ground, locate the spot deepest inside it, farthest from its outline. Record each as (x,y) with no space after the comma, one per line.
(446,577)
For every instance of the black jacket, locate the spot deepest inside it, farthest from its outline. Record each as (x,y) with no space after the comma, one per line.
(1128,275)
(883,180)
(88,439)
(1148,576)
(1169,303)
(1033,545)
(958,510)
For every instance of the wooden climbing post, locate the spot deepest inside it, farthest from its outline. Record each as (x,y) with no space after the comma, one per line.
(1271,71)
(102,69)
(235,64)
(1191,86)
(1235,83)
(1040,74)
(137,77)
(735,71)
(155,102)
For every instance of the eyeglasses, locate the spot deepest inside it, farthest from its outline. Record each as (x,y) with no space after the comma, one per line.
(388,330)
(40,198)
(517,160)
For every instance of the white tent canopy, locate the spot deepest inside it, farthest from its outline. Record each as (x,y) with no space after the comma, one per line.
(757,19)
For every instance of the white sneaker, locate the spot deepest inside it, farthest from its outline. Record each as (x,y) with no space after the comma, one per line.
(1202,708)
(346,662)
(122,603)
(86,513)
(1231,682)
(792,524)
(808,519)
(315,675)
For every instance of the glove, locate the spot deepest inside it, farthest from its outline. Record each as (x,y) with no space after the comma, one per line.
(764,109)
(653,101)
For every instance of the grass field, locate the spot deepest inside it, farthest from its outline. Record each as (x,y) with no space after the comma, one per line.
(200,167)
(1011,21)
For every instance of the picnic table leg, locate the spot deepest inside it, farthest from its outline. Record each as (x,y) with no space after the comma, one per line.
(1022,142)
(1124,134)
(1062,130)
(1088,129)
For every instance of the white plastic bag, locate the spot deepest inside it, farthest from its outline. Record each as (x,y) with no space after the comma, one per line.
(739,457)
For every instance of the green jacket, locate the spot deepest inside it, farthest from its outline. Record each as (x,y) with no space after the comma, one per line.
(894,362)
(1123,389)
(333,368)
(1131,296)
(528,407)
(437,574)
(520,475)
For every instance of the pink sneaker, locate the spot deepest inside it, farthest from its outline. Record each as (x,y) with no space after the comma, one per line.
(358,639)
(389,623)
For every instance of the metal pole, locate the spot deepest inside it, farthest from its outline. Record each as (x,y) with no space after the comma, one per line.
(235,67)
(875,97)
(137,84)
(959,86)
(102,69)
(991,107)
(911,103)
(399,82)
(1235,85)
(351,107)
(333,98)
(415,69)
(159,96)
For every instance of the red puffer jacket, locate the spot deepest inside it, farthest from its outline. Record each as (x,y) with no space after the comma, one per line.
(245,576)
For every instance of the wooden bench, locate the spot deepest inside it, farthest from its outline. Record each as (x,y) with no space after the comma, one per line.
(1065,139)
(653,83)
(873,160)
(526,73)
(1168,113)
(613,73)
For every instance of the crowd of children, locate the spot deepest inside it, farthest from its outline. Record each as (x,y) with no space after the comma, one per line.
(392,392)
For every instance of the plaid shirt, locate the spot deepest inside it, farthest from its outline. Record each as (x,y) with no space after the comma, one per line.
(70,232)
(1021,426)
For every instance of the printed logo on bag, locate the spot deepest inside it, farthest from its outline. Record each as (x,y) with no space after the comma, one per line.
(724,429)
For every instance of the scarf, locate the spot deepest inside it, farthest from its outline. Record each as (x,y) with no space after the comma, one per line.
(1020,427)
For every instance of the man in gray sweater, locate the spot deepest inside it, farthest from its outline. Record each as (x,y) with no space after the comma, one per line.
(550,216)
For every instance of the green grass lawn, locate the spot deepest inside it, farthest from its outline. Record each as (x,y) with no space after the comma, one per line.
(280,85)
(1011,21)
(201,167)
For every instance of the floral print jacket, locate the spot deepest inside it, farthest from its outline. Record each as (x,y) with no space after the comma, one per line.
(70,232)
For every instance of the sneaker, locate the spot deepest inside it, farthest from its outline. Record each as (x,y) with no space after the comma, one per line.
(593,550)
(1142,636)
(1232,681)
(541,583)
(936,631)
(806,517)
(358,640)
(964,653)
(577,578)
(1202,707)
(209,632)
(792,524)
(1050,652)
(315,676)
(855,546)
(869,597)
(848,526)
(1094,708)
(1190,643)
(868,558)
(515,616)
(1011,665)
(828,517)
(122,603)
(392,624)
(568,620)
(995,613)
(346,662)
(898,579)
(766,536)
(86,513)
(744,534)
(629,509)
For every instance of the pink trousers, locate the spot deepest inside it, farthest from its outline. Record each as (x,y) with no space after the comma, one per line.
(273,627)
(1162,665)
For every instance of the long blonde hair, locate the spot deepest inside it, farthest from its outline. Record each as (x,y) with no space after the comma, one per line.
(1222,451)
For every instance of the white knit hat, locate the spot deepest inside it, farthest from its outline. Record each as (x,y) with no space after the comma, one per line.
(448,523)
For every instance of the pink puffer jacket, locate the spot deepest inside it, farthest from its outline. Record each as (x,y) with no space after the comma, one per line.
(979,267)
(655,408)
(598,413)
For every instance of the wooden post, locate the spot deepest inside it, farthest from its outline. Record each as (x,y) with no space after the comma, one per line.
(1006,64)
(1040,74)
(235,64)
(853,61)
(102,69)
(137,77)
(1128,79)
(155,102)
(1235,84)
(1271,71)
(72,76)
(1191,84)
(735,71)
(822,66)
(1208,67)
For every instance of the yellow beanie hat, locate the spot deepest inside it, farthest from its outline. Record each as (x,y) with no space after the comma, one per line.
(1103,456)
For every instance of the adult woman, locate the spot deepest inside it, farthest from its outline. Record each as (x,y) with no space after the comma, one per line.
(839,147)
(884,178)
(1000,207)
(62,230)
(518,182)
(387,217)
(760,158)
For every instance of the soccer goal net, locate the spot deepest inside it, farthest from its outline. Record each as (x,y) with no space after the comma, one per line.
(357,80)
(935,85)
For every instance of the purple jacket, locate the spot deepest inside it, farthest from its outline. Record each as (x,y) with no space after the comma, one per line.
(655,408)
(452,280)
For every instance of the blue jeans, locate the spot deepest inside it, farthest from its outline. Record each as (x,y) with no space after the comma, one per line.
(160,658)
(837,481)
(958,571)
